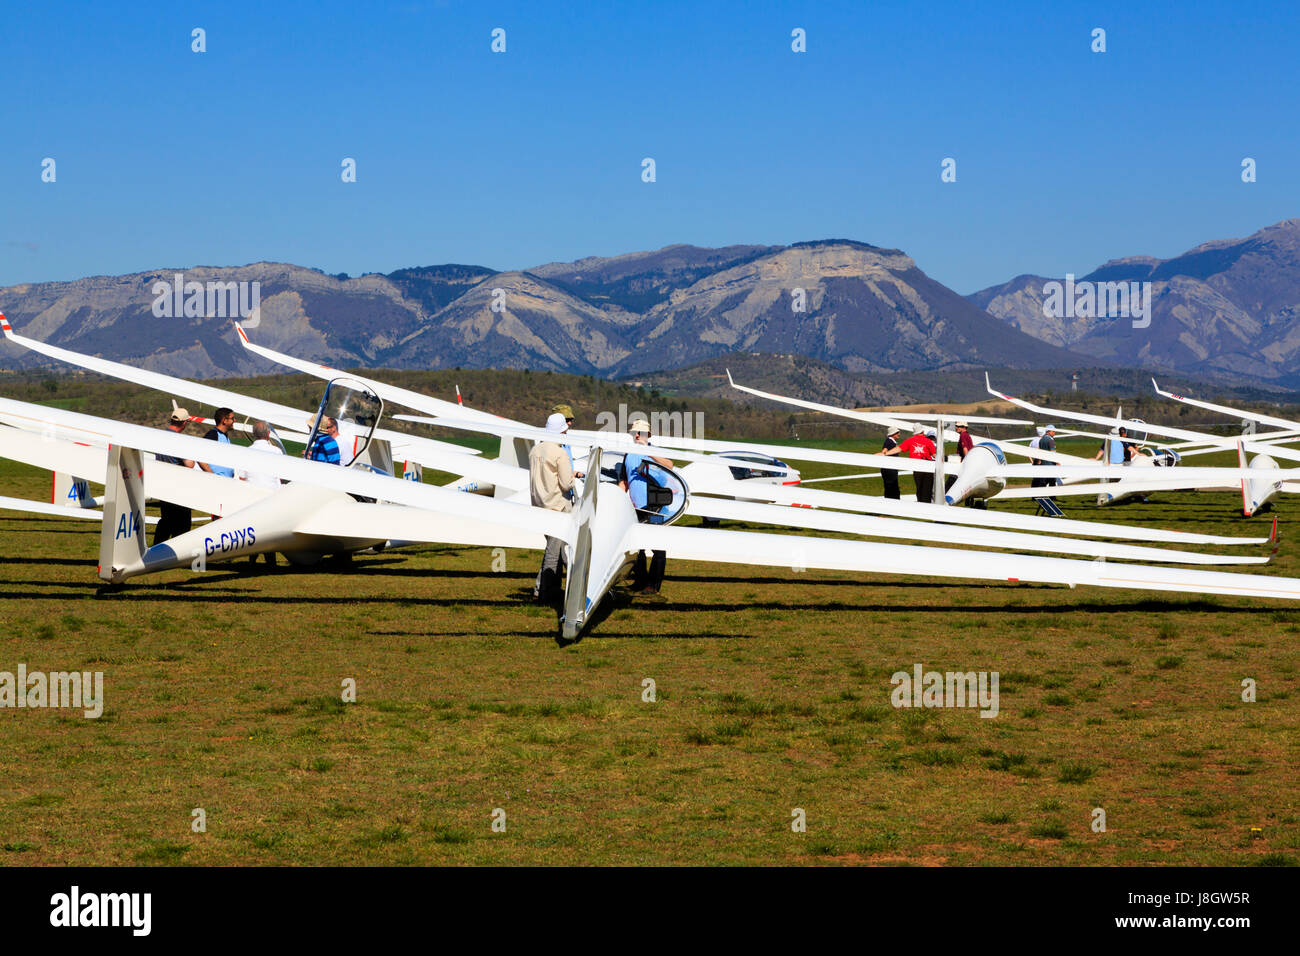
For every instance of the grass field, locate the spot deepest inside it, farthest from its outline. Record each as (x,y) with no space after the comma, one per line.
(223,692)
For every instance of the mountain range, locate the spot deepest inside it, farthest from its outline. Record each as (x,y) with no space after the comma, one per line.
(1226,309)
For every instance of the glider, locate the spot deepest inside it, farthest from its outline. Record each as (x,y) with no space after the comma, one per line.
(1260,479)
(290,422)
(320,511)
(985,470)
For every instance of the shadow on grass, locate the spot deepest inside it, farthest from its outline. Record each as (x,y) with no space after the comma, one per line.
(209,586)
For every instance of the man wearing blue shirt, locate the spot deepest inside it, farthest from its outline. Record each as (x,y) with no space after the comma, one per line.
(325,446)
(1119,448)
(634,483)
(223,420)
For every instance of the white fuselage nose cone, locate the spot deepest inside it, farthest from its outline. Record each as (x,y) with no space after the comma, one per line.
(1257,492)
(973,478)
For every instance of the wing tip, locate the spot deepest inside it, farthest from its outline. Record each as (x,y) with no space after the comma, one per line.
(5,326)
(730,380)
(242,334)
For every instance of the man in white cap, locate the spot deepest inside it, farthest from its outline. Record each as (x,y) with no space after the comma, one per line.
(888,475)
(964,442)
(1047,442)
(636,482)
(550,485)
(173,519)
(920,447)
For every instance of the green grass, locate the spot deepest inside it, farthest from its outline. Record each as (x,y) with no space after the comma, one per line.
(223,691)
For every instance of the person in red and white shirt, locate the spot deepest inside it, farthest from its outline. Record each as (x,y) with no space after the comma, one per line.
(921,447)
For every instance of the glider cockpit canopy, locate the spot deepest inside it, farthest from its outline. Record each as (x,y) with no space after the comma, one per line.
(356,409)
(659,508)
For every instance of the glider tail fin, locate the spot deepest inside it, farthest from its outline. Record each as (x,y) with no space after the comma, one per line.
(70,492)
(122,537)
(1245,482)
(577,607)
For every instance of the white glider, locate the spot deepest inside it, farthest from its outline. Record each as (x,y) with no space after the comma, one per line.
(603,535)
(291,421)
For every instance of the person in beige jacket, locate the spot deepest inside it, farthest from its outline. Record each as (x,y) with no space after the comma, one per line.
(550,484)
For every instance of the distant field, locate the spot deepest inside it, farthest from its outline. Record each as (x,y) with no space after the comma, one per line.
(773,693)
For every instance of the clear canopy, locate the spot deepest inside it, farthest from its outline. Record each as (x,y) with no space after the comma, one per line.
(613,470)
(356,410)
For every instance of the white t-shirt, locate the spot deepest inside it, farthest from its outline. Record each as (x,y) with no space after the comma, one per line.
(262,481)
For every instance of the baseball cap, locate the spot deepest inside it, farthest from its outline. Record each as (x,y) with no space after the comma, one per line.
(563,409)
(960,425)
(179,415)
(639,425)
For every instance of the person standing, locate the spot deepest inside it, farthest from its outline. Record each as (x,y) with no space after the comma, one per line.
(920,447)
(636,482)
(550,486)
(173,519)
(1119,453)
(964,442)
(566,410)
(1047,442)
(889,476)
(223,420)
(262,442)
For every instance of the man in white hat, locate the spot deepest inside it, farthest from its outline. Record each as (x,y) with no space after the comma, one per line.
(888,475)
(635,482)
(1047,442)
(550,485)
(964,442)
(173,519)
(920,447)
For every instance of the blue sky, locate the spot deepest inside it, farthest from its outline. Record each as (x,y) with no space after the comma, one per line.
(1065,157)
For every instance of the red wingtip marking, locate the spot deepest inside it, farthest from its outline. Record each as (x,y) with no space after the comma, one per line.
(1016,580)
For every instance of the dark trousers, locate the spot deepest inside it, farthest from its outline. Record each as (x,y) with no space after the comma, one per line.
(655,575)
(924,486)
(173,520)
(890,479)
